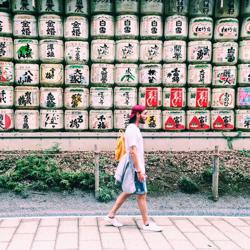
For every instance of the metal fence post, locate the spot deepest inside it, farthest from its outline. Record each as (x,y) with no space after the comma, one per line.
(97,171)
(216,170)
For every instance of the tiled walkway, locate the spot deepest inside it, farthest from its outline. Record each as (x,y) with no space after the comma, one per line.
(87,233)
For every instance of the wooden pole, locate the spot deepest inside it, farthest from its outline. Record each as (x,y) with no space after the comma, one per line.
(215,181)
(97,171)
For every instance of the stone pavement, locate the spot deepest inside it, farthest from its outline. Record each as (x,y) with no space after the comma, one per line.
(87,233)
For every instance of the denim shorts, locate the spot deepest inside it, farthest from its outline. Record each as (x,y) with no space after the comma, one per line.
(140,187)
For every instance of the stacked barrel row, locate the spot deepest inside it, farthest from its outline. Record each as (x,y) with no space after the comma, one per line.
(132,60)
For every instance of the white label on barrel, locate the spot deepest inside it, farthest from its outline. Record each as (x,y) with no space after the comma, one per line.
(174,120)
(244,51)
(224,76)
(244,74)
(26,50)
(125,97)
(102,74)
(26,74)
(76,27)
(121,119)
(174,98)
(6,119)
(129,6)
(243,119)
(198,120)
(51,74)
(223,98)
(77,7)
(243,97)
(199,97)
(25,26)
(153,6)
(201,28)
(127,25)
(153,121)
(76,120)
(174,74)
(6,96)
(174,51)
(126,74)
(127,50)
(51,98)
(103,51)
(50,26)
(77,75)
(222,119)
(101,98)
(51,119)
(5,24)
(151,97)
(27,97)
(75,98)
(176,26)
(225,53)
(199,51)
(245,28)
(6,48)
(199,74)
(151,26)
(226,29)
(151,51)
(76,52)
(102,26)
(26,119)
(150,74)
(7,72)
(100,119)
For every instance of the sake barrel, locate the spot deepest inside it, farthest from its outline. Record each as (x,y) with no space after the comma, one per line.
(51,51)
(244,53)
(6,49)
(76,52)
(26,97)
(245,8)
(51,98)
(125,97)
(127,26)
(6,96)
(242,119)
(27,6)
(151,27)
(244,74)
(126,74)
(176,27)
(223,98)
(102,74)
(5,5)
(150,74)
(199,98)
(77,75)
(26,120)
(174,51)
(176,7)
(199,74)
(226,29)
(6,119)
(102,26)
(24,26)
(103,50)
(50,26)
(101,98)
(173,120)
(245,28)
(201,8)
(127,51)
(51,119)
(153,121)
(121,119)
(199,51)
(126,6)
(243,97)
(100,120)
(26,50)
(76,98)
(225,53)
(98,6)
(151,51)
(152,7)
(6,73)
(222,120)
(151,97)
(76,7)
(174,98)
(227,8)
(5,24)
(26,74)
(50,6)
(174,74)
(51,74)
(198,120)
(201,28)
(76,120)
(224,76)
(76,28)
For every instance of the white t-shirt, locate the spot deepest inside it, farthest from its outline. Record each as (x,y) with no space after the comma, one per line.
(133,137)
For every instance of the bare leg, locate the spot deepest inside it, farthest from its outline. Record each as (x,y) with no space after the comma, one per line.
(142,203)
(119,201)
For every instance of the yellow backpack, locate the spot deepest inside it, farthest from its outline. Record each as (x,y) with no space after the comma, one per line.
(120,149)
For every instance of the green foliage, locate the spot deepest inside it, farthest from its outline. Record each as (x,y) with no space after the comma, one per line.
(187,185)
(207,175)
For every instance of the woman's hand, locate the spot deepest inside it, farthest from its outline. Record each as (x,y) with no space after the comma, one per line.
(141,176)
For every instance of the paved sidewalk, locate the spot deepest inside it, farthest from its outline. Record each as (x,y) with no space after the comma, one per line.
(87,233)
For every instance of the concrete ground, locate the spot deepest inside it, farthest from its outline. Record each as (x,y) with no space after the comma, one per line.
(87,233)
